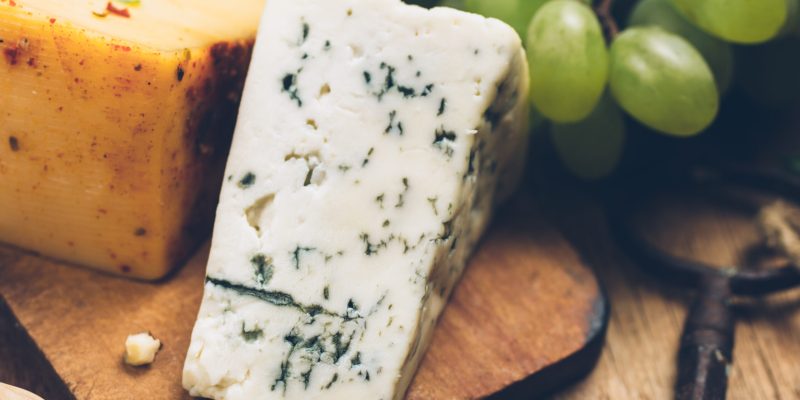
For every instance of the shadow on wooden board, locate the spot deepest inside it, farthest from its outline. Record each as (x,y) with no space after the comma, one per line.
(22,361)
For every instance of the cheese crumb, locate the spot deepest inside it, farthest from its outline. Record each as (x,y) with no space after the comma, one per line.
(141,349)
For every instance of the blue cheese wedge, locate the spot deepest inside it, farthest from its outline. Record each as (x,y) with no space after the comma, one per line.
(373,143)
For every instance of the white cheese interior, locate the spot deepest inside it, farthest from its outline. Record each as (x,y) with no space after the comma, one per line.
(141,349)
(373,142)
(8,392)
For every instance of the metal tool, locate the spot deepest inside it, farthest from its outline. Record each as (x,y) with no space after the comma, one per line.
(706,347)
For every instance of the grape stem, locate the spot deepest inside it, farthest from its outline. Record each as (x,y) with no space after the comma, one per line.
(603,10)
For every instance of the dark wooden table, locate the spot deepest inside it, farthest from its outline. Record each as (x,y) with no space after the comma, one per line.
(647,316)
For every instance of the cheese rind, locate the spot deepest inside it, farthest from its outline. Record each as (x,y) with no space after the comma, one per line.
(108,146)
(373,142)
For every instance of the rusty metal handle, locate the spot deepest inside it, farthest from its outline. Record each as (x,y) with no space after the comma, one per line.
(706,350)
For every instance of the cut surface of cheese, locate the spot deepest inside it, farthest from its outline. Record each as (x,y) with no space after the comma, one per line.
(141,349)
(114,129)
(373,143)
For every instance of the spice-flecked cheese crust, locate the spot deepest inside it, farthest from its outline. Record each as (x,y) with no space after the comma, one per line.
(373,142)
(113,139)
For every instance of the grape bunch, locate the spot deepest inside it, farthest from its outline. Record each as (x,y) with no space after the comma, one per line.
(667,67)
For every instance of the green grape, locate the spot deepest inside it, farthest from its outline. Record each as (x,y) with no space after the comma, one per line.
(718,54)
(739,21)
(592,148)
(458,4)
(517,13)
(769,73)
(568,60)
(661,80)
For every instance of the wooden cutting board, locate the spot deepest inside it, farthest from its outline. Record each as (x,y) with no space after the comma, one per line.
(527,318)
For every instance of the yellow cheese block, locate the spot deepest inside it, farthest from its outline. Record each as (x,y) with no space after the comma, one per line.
(115,121)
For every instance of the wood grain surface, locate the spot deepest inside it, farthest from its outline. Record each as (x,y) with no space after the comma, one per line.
(639,359)
(525,306)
